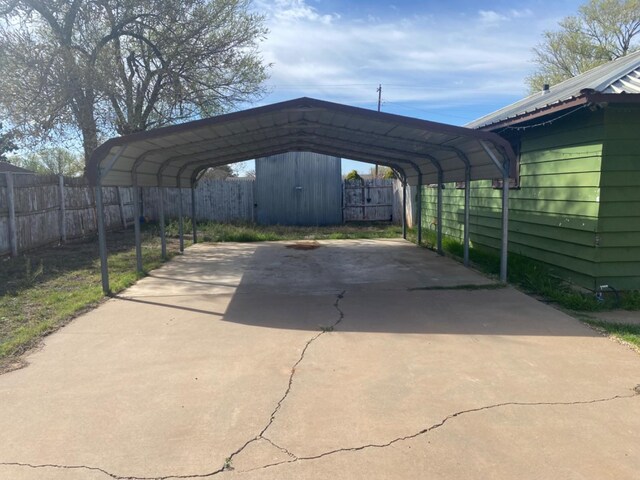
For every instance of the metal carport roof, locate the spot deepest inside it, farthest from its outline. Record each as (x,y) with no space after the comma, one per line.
(175,155)
(422,152)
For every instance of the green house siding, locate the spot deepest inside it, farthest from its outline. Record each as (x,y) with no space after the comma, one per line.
(553,216)
(618,251)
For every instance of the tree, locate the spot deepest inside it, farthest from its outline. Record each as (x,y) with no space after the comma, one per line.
(383,172)
(603,30)
(353,176)
(219,173)
(7,144)
(99,67)
(51,161)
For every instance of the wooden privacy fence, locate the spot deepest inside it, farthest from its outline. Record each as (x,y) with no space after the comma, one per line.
(225,200)
(374,199)
(38,210)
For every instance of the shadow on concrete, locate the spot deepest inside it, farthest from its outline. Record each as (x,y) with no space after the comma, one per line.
(167,305)
(384,292)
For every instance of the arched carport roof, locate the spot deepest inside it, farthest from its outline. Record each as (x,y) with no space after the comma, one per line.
(422,152)
(175,155)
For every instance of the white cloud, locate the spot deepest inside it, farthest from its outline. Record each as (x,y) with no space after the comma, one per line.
(294,11)
(524,13)
(490,16)
(425,59)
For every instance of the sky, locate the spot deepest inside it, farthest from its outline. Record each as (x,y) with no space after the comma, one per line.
(447,61)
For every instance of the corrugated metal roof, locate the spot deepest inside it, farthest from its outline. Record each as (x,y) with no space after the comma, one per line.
(628,84)
(176,155)
(618,76)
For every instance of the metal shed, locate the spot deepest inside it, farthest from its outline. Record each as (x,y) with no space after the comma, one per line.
(298,188)
(420,151)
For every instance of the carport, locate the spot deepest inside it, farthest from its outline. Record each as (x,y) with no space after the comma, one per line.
(419,151)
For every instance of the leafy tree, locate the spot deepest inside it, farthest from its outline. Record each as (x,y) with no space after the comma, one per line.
(353,175)
(7,144)
(383,172)
(602,30)
(98,67)
(51,161)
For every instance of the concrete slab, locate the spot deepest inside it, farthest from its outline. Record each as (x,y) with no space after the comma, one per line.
(263,361)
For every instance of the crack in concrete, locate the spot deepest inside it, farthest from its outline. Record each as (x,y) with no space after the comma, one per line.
(294,458)
(282,449)
(275,411)
(636,392)
(228,465)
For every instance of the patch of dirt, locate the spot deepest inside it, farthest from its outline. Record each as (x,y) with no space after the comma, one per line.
(304,245)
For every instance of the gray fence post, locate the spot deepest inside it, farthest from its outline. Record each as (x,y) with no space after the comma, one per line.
(404,208)
(63,211)
(419,207)
(121,204)
(180,220)
(102,240)
(193,215)
(163,234)
(136,207)
(13,224)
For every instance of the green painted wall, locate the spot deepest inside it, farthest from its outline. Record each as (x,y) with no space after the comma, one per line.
(618,252)
(554,214)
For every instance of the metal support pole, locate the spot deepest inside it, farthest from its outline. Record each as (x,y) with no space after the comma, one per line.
(505,221)
(404,208)
(419,201)
(102,241)
(163,237)
(180,220)
(193,214)
(439,213)
(136,224)
(467,202)
(63,211)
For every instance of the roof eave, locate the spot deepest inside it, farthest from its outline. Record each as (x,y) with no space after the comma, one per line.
(541,112)
(585,98)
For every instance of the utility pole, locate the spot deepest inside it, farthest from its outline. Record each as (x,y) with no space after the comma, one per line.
(379,105)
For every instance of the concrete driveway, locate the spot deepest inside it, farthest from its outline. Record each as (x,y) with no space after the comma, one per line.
(258,361)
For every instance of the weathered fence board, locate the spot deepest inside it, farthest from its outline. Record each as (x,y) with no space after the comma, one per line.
(368,200)
(397,203)
(216,200)
(50,209)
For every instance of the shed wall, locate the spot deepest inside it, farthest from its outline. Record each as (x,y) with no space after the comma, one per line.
(553,216)
(298,188)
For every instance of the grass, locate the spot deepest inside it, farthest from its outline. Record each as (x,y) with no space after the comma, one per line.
(42,290)
(470,286)
(243,232)
(538,279)
(625,331)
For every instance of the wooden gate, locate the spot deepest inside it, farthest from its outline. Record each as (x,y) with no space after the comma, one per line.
(367,200)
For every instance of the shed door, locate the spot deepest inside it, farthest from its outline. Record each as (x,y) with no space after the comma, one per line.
(298,188)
